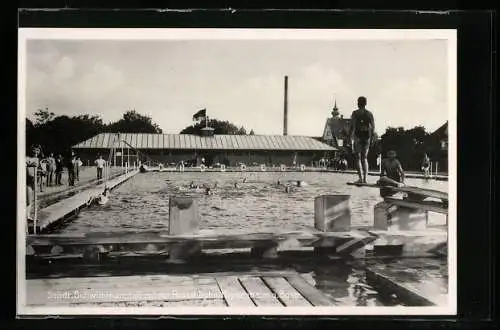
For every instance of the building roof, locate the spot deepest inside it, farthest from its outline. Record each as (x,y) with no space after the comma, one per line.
(339,126)
(442,131)
(195,142)
(336,128)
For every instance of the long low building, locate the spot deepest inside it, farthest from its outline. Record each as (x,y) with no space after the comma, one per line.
(225,149)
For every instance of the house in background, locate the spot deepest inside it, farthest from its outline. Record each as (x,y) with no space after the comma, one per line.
(437,146)
(442,135)
(336,135)
(336,132)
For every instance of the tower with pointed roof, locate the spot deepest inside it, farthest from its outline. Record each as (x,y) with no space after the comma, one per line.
(335,110)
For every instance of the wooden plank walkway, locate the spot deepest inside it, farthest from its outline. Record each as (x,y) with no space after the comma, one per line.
(59,211)
(346,244)
(262,289)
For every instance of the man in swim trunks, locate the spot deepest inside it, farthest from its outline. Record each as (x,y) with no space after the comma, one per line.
(361,133)
(392,174)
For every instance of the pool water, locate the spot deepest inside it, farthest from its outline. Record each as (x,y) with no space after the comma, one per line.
(258,205)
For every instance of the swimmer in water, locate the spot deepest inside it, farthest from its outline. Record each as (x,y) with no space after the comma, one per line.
(208,191)
(244,180)
(278,183)
(299,183)
(236,184)
(104,197)
(288,189)
(194,186)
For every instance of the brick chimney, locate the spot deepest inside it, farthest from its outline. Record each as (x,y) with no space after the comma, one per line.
(285,115)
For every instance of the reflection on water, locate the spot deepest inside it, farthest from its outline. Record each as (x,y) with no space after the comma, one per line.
(347,285)
(259,204)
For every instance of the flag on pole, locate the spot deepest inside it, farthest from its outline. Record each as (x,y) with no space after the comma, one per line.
(201,114)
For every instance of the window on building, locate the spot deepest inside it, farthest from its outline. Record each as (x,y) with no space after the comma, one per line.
(444,144)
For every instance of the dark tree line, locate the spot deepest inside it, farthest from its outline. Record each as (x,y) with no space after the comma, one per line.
(411,145)
(219,126)
(58,134)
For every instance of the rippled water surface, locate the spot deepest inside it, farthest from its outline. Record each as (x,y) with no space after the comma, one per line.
(258,205)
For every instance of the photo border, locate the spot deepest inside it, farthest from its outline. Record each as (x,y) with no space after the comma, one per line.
(476,82)
(26,35)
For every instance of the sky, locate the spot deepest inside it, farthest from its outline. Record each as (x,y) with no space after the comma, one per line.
(242,81)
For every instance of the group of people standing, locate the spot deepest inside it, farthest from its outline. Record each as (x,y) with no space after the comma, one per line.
(47,169)
(50,168)
(339,164)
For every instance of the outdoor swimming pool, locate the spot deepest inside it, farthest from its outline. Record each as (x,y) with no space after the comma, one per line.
(259,205)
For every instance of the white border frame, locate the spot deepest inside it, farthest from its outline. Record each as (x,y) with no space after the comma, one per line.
(25,34)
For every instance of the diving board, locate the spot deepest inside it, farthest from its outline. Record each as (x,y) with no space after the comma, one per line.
(410,190)
(371,185)
(424,192)
(421,205)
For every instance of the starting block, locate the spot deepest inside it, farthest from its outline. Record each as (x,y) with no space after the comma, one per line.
(391,217)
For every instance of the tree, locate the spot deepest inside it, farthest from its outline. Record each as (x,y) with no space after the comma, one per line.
(59,133)
(242,131)
(43,116)
(410,145)
(30,130)
(251,132)
(133,122)
(220,127)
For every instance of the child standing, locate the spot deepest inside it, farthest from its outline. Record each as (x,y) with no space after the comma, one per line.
(425,165)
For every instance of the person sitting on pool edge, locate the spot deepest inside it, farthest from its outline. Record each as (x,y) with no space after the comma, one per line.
(392,174)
